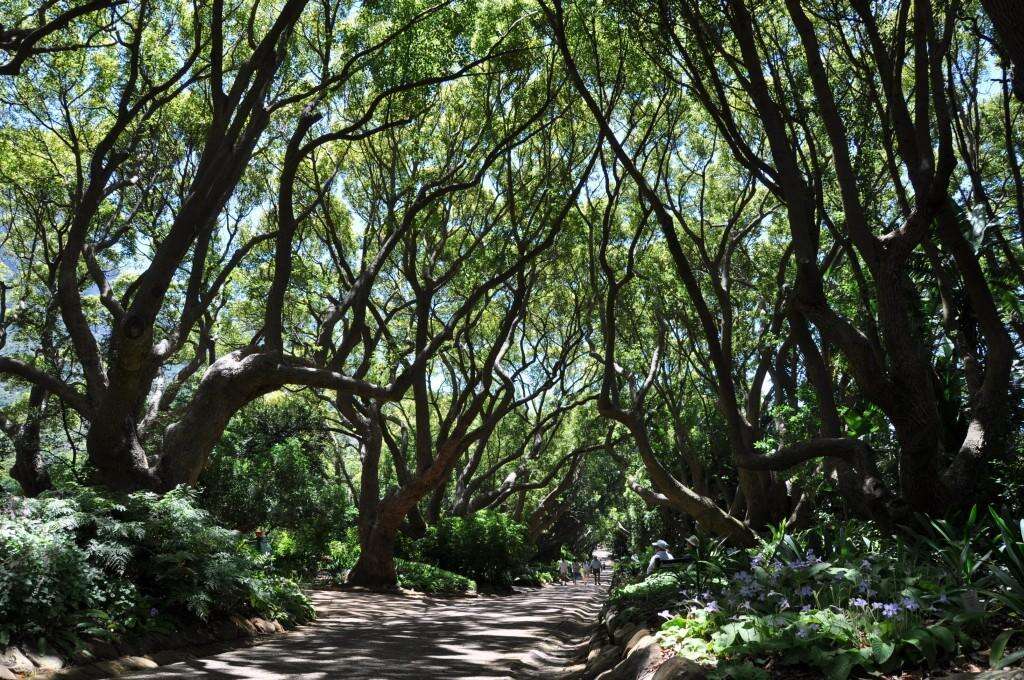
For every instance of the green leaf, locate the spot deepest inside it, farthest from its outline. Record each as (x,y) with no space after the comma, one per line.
(944,635)
(841,668)
(922,639)
(881,650)
(996,658)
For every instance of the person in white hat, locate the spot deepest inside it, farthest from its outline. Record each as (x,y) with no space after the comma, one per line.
(661,554)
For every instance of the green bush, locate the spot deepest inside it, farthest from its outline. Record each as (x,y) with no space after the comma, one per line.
(537,575)
(274,469)
(870,602)
(487,546)
(427,578)
(80,563)
(641,600)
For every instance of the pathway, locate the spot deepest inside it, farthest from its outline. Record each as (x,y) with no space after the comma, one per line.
(370,635)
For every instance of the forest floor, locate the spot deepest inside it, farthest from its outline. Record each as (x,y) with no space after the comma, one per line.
(384,636)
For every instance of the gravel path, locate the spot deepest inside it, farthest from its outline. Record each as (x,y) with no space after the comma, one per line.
(368,635)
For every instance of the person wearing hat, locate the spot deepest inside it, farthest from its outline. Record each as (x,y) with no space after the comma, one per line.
(661,554)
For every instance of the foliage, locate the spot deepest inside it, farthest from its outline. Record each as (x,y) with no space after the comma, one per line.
(487,546)
(1007,568)
(80,563)
(426,578)
(537,575)
(273,470)
(877,603)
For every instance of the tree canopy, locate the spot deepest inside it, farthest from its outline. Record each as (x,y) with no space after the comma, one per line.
(741,262)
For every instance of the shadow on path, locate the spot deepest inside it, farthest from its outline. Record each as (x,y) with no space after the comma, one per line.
(370,635)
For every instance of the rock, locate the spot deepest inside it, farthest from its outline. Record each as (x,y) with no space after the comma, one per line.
(278,627)
(111,668)
(635,639)
(6,674)
(244,626)
(46,662)
(262,627)
(679,668)
(612,621)
(639,664)
(624,632)
(15,661)
(603,660)
(577,672)
(138,663)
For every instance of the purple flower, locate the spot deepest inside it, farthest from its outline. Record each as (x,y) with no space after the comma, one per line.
(806,591)
(711,606)
(858,602)
(943,598)
(890,610)
(803,632)
(805,608)
(910,604)
(877,605)
(153,611)
(783,604)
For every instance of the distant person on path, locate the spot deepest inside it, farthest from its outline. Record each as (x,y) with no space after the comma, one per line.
(595,570)
(575,570)
(563,570)
(661,553)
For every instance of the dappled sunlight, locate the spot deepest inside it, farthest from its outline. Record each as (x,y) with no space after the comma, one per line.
(374,635)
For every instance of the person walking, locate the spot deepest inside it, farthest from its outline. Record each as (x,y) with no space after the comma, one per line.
(575,570)
(563,570)
(595,570)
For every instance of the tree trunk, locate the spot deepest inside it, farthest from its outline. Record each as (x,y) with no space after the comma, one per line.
(375,567)
(28,469)
(230,383)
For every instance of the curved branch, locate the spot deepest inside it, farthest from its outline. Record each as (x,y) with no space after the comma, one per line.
(29,373)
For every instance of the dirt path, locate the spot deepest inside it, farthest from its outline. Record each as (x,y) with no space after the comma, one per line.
(369,635)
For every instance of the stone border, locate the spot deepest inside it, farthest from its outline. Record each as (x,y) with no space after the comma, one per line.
(623,650)
(102,659)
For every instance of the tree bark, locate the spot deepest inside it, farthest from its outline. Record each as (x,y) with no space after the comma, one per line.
(29,469)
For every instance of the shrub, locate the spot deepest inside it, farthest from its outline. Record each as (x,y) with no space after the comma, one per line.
(427,578)
(273,469)
(641,600)
(537,575)
(487,546)
(874,604)
(84,564)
